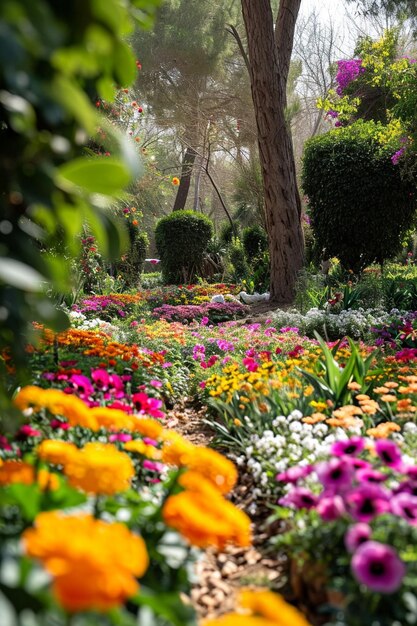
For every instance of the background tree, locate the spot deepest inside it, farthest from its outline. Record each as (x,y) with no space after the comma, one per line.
(270,49)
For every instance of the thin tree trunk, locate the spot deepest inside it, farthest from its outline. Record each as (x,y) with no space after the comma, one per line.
(184,186)
(197,181)
(269,64)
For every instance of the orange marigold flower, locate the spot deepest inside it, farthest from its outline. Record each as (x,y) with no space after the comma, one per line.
(388,397)
(314,418)
(204,517)
(55,451)
(361,397)
(212,465)
(405,404)
(94,564)
(382,431)
(12,472)
(391,384)
(354,386)
(100,468)
(381,389)
(261,608)
(175,181)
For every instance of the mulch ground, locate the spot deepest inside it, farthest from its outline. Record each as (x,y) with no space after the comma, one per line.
(220,575)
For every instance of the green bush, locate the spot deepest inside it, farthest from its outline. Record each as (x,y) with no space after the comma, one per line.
(237,257)
(255,241)
(360,207)
(130,267)
(227,232)
(181,239)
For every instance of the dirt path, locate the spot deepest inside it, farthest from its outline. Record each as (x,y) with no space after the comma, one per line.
(220,574)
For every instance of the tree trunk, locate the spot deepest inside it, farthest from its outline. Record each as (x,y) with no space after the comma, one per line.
(269,56)
(184,186)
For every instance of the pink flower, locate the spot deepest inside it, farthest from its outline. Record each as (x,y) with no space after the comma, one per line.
(27,431)
(56,424)
(120,437)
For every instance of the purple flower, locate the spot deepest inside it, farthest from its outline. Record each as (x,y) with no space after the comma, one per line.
(331,508)
(293,474)
(335,475)
(378,566)
(397,156)
(405,505)
(352,446)
(366,502)
(368,475)
(356,535)
(300,497)
(389,453)
(347,71)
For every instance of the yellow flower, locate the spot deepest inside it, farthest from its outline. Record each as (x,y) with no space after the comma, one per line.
(261,608)
(112,419)
(94,564)
(100,468)
(55,451)
(147,427)
(58,403)
(139,447)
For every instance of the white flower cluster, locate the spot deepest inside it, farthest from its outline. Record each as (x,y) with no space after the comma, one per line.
(354,323)
(289,442)
(80,321)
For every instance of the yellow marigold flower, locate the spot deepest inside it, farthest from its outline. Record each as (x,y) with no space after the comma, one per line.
(204,517)
(139,447)
(112,419)
(57,402)
(147,427)
(94,564)
(261,608)
(12,472)
(55,451)
(100,468)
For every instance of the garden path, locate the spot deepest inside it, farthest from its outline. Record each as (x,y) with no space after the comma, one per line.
(220,575)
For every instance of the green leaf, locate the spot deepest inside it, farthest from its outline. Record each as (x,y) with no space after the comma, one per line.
(103,175)
(21,599)
(20,275)
(166,605)
(125,65)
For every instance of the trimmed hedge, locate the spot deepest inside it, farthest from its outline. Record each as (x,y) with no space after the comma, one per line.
(181,240)
(360,207)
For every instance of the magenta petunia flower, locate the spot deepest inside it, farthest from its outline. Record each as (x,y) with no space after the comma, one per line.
(378,566)
(357,535)
(389,453)
(335,475)
(366,502)
(405,505)
(101,378)
(369,475)
(300,497)
(293,474)
(352,446)
(331,508)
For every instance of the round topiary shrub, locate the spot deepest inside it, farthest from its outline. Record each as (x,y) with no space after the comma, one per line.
(255,241)
(130,266)
(181,239)
(360,207)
